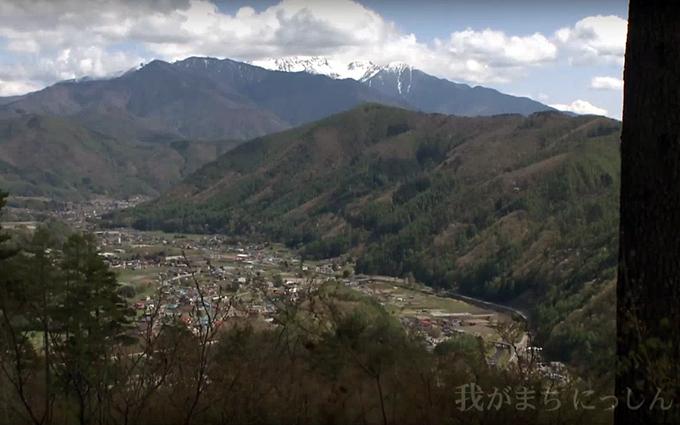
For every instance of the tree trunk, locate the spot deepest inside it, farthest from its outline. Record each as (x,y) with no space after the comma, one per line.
(648,292)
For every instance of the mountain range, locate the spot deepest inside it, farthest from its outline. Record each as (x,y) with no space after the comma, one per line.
(127,124)
(207,98)
(196,98)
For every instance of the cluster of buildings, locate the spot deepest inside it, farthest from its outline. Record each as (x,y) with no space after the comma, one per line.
(81,214)
(235,280)
(436,329)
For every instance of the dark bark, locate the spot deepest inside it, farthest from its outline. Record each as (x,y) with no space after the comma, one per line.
(648,289)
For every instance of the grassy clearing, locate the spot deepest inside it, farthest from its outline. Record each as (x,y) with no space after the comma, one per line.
(409,301)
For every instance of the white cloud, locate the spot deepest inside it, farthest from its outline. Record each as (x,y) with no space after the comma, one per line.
(291,27)
(347,31)
(580,106)
(486,56)
(47,41)
(595,39)
(11,88)
(494,47)
(606,83)
(52,40)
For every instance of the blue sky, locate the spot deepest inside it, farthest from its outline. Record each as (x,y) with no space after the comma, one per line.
(437,18)
(568,54)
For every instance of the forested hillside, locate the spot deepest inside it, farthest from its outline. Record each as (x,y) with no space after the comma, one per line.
(521,210)
(60,158)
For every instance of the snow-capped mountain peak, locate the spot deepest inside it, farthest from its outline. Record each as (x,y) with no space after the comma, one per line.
(398,66)
(399,75)
(308,64)
(356,70)
(404,75)
(362,71)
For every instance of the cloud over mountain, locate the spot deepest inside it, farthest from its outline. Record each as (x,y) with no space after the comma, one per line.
(580,106)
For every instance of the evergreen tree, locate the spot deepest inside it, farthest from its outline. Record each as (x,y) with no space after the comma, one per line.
(19,360)
(91,318)
(4,251)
